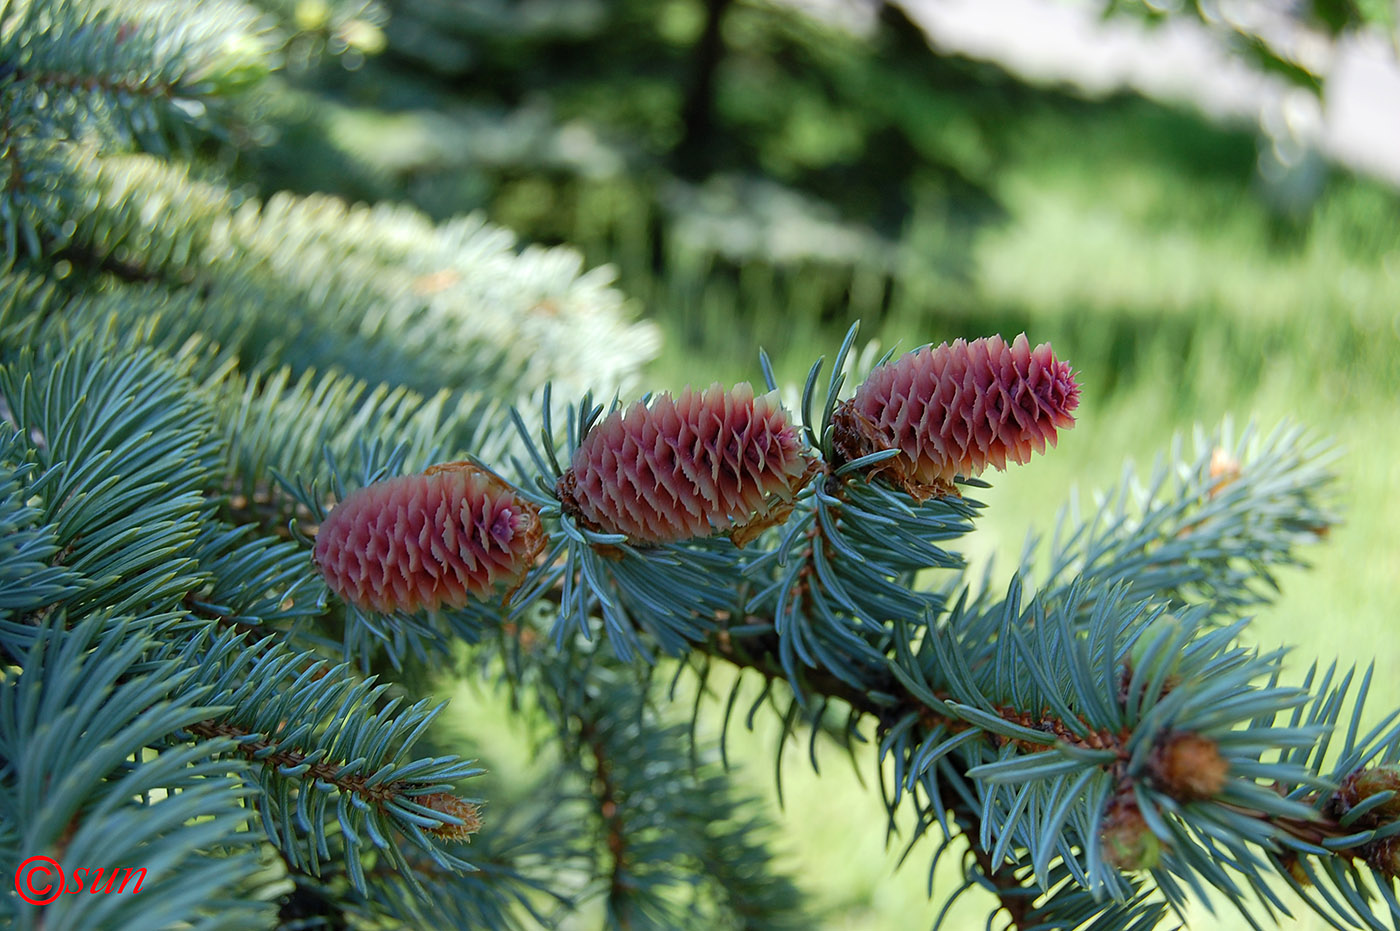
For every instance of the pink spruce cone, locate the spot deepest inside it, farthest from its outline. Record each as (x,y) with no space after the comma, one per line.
(701,463)
(956,409)
(428,541)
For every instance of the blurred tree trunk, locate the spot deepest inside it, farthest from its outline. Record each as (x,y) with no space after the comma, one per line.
(694,154)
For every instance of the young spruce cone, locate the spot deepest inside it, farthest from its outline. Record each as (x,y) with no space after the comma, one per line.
(701,463)
(428,541)
(1189,767)
(956,409)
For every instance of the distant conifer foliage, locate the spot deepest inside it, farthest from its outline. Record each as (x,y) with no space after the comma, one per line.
(434,540)
(955,409)
(690,466)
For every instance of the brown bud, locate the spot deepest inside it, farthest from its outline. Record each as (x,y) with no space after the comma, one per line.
(1224,469)
(1363,784)
(1383,856)
(434,282)
(1293,864)
(1127,842)
(466,812)
(1189,766)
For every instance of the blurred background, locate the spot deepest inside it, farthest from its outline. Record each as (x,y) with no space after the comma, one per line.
(1195,202)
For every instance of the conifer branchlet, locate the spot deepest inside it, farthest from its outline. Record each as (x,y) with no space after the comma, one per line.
(1072,739)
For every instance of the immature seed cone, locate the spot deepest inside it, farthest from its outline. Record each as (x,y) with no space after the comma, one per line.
(428,541)
(956,409)
(701,463)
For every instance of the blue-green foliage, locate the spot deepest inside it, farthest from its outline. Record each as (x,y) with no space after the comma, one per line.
(92,778)
(682,849)
(191,376)
(350,724)
(28,579)
(123,454)
(1191,532)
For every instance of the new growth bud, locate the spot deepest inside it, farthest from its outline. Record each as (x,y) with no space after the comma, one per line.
(428,541)
(1127,843)
(700,463)
(1383,856)
(464,811)
(956,409)
(1189,767)
(1363,784)
(1293,864)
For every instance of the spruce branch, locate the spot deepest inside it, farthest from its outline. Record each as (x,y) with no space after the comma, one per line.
(662,822)
(1032,719)
(1100,738)
(1059,724)
(310,31)
(1205,527)
(1011,890)
(462,818)
(333,755)
(609,807)
(90,777)
(520,881)
(252,581)
(35,191)
(29,579)
(129,73)
(318,283)
(281,424)
(1188,772)
(533,863)
(124,453)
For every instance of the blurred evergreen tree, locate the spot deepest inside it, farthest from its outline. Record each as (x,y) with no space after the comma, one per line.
(846,170)
(538,112)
